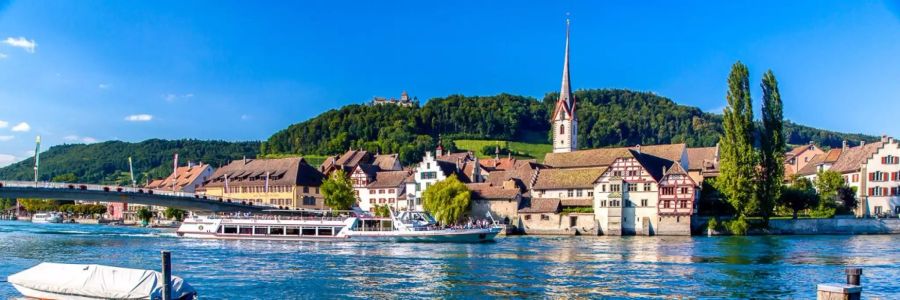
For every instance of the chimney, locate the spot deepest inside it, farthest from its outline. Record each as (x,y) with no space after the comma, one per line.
(664,170)
(884,138)
(190,164)
(638,148)
(844,146)
(245,159)
(862,143)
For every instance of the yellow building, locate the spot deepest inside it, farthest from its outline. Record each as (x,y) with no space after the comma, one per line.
(287,182)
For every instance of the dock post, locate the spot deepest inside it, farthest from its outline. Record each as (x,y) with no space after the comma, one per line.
(167,275)
(836,291)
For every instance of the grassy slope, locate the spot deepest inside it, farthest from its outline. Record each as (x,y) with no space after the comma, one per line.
(530,150)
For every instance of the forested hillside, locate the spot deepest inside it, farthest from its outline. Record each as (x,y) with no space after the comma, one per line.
(607,118)
(107,162)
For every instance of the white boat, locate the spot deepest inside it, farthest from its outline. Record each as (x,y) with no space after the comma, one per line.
(46,218)
(332,226)
(83,282)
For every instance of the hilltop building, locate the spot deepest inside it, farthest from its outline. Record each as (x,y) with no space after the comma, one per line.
(286,182)
(404,100)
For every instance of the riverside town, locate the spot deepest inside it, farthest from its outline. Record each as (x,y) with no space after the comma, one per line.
(586,193)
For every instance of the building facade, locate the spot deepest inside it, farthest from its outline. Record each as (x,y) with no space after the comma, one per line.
(289,183)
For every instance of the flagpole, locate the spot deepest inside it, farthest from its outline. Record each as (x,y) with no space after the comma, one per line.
(37,158)
(175,172)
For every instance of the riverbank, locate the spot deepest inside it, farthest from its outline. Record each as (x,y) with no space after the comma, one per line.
(832,226)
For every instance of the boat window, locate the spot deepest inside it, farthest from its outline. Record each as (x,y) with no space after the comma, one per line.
(309,231)
(293,231)
(260,230)
(246,230)
(276,231)
(230,230)
(326,231)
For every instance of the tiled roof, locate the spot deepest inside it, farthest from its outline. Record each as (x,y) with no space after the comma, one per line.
(453,157)
(811,167)
(185,176)
(282,171)
(606,156)
(385,161)
(570,178)
(385,179)
(833,155)
(539,205)
(653,164)
(799,150)
(675,169)
(352,158)
(850,160)
(697,157)
(504,163)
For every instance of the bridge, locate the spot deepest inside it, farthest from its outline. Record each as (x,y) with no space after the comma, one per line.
(111,193)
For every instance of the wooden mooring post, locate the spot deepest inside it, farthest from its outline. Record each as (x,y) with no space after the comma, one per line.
(852,290)
(167,275)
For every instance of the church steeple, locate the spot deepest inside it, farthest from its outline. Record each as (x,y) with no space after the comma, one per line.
(565,123)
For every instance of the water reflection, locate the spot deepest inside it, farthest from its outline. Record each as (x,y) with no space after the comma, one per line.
(514,267)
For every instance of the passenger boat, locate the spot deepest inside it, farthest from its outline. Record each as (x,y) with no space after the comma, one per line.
(406,226)
(83,282)
(46,218)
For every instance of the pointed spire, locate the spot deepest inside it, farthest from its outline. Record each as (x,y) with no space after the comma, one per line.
(566,101)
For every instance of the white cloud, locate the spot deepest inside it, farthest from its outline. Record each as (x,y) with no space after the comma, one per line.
(174,97)
(88,140)
(246,117)
(104,86)
(2,56)
(6,159)
(6,138)
(21,42)
(71,138)
(139,118)
(21,127)
(3,124)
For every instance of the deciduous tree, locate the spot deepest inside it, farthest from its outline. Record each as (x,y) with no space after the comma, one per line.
(447,200)
(338,191)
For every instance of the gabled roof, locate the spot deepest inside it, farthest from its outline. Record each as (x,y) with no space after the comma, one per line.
(453,157)
(851,159)
(522,174)
(675,169)
(389,179)
(185,176)
(698,156)
(539,205)
(251,172)
(799,150)
(812,166)
(571,178)
(606,156)
(833,155)
(385,161)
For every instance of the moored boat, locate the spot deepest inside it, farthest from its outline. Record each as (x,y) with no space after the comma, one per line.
(83,282)
(46,218)
(332,226)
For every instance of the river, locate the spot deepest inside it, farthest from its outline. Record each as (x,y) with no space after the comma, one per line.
(512,267)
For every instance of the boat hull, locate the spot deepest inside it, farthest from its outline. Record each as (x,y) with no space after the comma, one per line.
(437,236)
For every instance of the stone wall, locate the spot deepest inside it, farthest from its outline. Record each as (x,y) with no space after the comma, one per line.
(840,225)
(673,225)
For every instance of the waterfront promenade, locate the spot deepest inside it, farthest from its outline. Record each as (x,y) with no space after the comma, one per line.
(524,266)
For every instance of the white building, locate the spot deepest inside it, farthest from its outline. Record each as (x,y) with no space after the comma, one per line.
(434,168)
(379,188)
(881,184)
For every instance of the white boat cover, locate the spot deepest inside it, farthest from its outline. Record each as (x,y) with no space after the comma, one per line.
(97,281)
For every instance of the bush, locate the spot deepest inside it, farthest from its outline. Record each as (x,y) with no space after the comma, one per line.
(825,209)
(582,209)
(712,224)
(738,227)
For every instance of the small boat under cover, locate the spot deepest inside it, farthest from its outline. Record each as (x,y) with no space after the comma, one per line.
(74,281)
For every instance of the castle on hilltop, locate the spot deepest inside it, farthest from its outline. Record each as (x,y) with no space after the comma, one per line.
(404,100)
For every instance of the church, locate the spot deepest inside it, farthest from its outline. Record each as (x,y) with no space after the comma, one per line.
(636,190)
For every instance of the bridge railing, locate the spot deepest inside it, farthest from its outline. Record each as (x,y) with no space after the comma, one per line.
(125,189)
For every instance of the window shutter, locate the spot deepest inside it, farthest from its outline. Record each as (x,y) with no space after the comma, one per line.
(872,176)
(871,191)
(884,191)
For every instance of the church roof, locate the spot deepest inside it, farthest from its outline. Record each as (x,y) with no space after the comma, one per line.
(566,100)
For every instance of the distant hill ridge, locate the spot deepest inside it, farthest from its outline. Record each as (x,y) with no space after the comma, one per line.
(607,117)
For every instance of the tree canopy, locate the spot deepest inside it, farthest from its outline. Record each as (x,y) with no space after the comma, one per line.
(738,157)
(772,145)
(338,191)
(447,200)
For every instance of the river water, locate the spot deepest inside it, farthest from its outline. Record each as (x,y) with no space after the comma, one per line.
(512,267)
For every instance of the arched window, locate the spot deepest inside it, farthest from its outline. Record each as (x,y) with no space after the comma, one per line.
(562,129)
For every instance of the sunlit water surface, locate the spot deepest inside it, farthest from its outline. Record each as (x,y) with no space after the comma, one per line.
(512,267)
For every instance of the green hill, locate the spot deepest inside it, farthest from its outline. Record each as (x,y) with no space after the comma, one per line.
(606,118)
(486,148)
(107,162)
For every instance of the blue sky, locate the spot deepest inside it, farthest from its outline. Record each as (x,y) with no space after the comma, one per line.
(88,71)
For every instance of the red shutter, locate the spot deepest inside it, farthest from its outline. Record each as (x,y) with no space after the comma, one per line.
(871,176)
(871,191)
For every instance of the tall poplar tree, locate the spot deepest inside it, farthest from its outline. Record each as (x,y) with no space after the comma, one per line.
(737,162)
(772,145)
